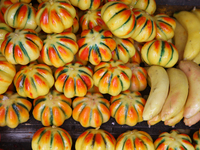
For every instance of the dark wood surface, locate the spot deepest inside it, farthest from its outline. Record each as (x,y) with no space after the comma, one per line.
(20,137)
(178,2)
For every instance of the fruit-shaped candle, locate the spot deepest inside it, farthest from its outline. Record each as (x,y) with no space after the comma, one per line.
(134,140)
(55,15)
(127,108)
(160,53)
(119,18)
(14,109)
(91,110)
(145,29)
(165,27)
(7,73)
(73,79)
(86,4)
(96,45)
(21,16)
(149,6)
(52,109)
(174,141)
(196,138)
(139,77)
(22,46)
(33,80)
(112,77)
(59,49)
(54,138)
(95,139)
(125,49)
(91,19)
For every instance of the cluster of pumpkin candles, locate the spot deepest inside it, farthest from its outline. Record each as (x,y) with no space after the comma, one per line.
(52,57)
(100,139)
(101,60)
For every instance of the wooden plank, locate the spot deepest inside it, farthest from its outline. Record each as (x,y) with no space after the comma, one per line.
(25,131)
(178,2)
(170,10)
